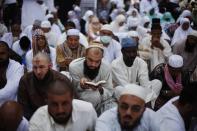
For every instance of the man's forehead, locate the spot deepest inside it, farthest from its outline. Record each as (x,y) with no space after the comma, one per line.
(127,98)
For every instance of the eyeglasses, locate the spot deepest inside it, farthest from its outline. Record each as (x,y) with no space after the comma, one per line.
(133,108)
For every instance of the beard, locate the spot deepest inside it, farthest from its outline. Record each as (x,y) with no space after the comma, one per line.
(90,73)
(128,61)
(126,126)
(61,120)
(3,68)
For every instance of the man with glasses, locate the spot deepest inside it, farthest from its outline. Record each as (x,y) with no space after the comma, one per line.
(130,114)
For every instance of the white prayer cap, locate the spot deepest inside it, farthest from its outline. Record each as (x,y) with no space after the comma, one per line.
(175,61)
(73,32)
(107,27)
(46,24)
(136,90)
(49,16)
(96,44)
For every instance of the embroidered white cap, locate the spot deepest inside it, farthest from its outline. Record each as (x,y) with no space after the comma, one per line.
(73,32)
(175,61)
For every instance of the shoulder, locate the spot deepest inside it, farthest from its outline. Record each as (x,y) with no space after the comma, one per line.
(77,62)
(82,106)
(117,61)
(109,116)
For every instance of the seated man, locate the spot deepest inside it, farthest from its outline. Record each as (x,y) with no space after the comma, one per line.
(131,113)
(92,68)
(10,74)
(71,49)
(62,112)
(11,117)
(129,68)
(173,79)
(176,114)
(33,85)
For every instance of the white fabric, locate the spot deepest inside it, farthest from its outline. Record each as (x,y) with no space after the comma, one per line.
(112,51)
(137,74)
(29,58)
(115,24)
(83,118)
(28,32)
(76,68)
(133,21)
(184,14)
(16,47)
(136,90)
(46,24)
(24,125)
(175,61)
(106,27)
(146,6)
(31,11)
(56,29)
(168,118)
(119,3)
(180,34)
(13,74)
(82,39)
(108,121)
(155,55)
(51,38)
(71,32)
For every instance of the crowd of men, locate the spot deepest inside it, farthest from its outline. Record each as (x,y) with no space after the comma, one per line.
(98,65)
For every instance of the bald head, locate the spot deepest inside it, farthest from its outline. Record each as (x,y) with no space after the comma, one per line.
(41,56)
(94,50)
(10,115)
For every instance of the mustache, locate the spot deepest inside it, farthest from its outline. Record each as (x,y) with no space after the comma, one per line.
(127,117)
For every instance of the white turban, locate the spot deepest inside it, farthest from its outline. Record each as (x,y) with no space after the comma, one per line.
(46,24)
(73,32)
(136,90)
(175,61)
(107,27)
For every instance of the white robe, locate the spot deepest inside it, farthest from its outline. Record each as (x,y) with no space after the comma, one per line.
(29,58)
(51,38)
(146,6)
(108,121)
(16,47)
(76,68)
(31,11)
(168,118)
(137,73)
(13,74)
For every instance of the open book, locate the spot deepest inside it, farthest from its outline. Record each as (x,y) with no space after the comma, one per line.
(96,84)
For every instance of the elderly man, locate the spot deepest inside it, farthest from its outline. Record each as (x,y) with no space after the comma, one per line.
(10,74)
(69,50)
(173,79)
(155,48)
(33,85)
(92,69)
(62,112)
(131,113)
(112,48)
(176,114)
(11,117)
(129,68)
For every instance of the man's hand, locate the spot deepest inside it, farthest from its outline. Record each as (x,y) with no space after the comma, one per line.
(83,83)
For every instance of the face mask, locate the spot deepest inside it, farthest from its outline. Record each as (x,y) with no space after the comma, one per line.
(106,39)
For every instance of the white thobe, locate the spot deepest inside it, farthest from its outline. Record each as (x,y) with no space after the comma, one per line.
(146,6)
(51,38)
(24,125)
(16,47)
(76,68)
(82,39)
(83,118)
(112,51)
(13,74)
(31,11)
(137,73)
(168,118)
(155,55)
(29,58)
(108,121)
(56,29)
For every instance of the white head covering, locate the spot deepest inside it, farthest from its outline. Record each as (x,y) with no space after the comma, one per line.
(115,24)
(73,32)
(106,27)
(46,24)
(184,14)
(87,14)
(136,90)
(49,16)
(175,61)
(180,34)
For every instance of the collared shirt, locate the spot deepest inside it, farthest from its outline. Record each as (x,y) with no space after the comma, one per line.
(83,119)
(108,121)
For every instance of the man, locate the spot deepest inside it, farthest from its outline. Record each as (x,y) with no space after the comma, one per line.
(51,36)
(179,111)
(10,74)
(129,68)
(92,68)
(69,50)
(11,117)
(131,113)
(112,49)
(154,48)
(173,79)
(62,112)
(33,85)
